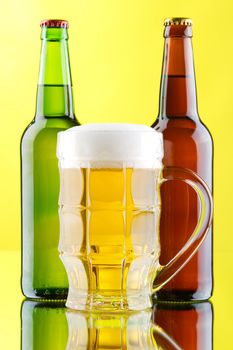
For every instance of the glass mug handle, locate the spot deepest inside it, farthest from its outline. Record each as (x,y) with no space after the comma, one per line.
(167,272)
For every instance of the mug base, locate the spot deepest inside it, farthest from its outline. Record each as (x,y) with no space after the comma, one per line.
(97,302)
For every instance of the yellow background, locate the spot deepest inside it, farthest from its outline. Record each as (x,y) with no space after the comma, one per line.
(116,51)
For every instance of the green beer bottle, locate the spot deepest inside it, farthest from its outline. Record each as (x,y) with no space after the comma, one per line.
(43,325)
(43,274)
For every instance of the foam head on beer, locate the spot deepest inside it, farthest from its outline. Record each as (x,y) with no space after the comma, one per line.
(109,213)
(110,145)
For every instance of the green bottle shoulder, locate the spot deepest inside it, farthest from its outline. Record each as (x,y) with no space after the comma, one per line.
(46,128)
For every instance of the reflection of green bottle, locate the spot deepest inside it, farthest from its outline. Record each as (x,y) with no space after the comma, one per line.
(43,274)
(44,326)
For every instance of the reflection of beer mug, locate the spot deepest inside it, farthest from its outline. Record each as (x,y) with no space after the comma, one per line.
(110,178)
(129,331)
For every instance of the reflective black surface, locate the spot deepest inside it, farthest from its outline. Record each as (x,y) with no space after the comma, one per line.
(49,325)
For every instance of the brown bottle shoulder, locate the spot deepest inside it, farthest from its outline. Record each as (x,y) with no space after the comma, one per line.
(183,129)
(187,143)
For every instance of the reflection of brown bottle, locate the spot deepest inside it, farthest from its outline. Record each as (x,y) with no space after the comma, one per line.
(189,324)
(188,144)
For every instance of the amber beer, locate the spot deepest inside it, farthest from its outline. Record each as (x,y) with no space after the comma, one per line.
(187,144)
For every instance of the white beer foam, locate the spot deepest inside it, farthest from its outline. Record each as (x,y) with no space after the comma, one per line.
(110,145)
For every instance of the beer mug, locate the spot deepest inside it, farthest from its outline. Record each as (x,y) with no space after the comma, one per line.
(110,179)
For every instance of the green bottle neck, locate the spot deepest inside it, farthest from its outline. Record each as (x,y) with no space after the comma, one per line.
(54,92)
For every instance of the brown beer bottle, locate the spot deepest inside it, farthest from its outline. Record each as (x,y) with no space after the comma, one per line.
(190,325)
(188,144)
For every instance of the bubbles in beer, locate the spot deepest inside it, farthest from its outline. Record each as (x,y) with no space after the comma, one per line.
(108,236)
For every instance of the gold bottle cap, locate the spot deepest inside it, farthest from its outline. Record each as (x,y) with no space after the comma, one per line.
(175,21)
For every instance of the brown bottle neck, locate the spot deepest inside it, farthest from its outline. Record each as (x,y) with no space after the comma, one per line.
(178,87)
